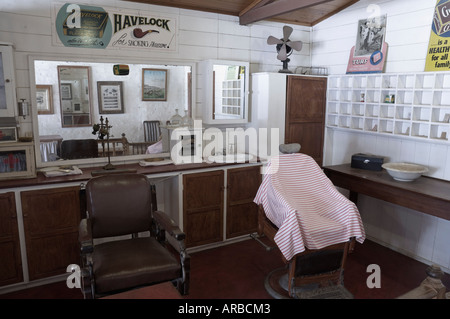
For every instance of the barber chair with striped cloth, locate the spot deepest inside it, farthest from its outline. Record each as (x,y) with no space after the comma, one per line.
(311,223)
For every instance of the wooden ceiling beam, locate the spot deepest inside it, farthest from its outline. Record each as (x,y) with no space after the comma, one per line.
(260,12)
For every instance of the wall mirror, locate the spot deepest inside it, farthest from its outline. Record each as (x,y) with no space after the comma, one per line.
(81,82)
(74,95)
(227,86)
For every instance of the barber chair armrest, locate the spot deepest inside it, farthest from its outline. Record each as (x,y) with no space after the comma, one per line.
(85,236)
(167,224)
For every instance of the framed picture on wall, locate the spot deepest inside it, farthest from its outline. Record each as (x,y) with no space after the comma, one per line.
(110,97)
(44,101)
(154,85)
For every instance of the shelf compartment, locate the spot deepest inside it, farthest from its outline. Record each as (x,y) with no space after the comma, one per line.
(404,97)
(373,81)
(372,110)
(344,121)
(345,108)
(441,98)
(387,111)
(357,123)
(440,132)
(372,96)
(423,97)
(443,81)
(439,115)
(333,95)
(345,96)
(386,126)
(403,112)
(402,128)
(332,120)
(358,109)
(421,114)
(371,125)
(406,81)
(360,82)
(334,82)
(333,107)
(425,81)
(389,81)
(420,130)
(356,97)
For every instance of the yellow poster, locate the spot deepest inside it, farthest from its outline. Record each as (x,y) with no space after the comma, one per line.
(439,46)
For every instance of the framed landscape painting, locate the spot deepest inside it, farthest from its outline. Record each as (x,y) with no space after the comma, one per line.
(154,85)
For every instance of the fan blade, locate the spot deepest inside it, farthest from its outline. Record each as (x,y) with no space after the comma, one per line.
(273,40)
(296,45)
(282,54)
(287,32)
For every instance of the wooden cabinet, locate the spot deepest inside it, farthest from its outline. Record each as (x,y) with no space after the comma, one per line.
(11,262)
(305,114)
(293,104)
(242,212)
(51,218)
(203,207)
(204,202)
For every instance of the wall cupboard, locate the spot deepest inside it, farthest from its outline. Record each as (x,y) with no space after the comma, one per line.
(293,104)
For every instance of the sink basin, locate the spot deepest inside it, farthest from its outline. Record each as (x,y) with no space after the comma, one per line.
(230,158)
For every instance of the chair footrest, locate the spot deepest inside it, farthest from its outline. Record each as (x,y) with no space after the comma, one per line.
(331,292)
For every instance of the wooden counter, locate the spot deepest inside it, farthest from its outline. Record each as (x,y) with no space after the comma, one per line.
(428,195)
(41,179)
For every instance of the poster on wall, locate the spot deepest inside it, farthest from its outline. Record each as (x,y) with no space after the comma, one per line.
(96,27)
(145,31)
(369,53)
(439,46)
(83,26)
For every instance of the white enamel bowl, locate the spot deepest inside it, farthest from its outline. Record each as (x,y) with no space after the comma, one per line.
(404,172)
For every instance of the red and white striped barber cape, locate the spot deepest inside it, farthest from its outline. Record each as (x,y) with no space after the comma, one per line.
(306,207)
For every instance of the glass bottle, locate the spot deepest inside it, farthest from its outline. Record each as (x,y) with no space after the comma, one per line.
(176,119)
(186,120)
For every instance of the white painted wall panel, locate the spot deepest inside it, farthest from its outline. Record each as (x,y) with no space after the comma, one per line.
(408,30)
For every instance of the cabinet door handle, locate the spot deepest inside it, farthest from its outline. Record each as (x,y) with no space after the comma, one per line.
(7,80)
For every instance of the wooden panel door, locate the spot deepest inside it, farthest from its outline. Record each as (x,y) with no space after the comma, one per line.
(203,207)
(51,218)
(242,212)
(11,261)
(305,114)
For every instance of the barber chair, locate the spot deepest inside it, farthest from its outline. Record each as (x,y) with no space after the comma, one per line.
(122,241)
(75,149)
(311,223)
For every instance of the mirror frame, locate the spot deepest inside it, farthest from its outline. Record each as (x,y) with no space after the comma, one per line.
(63,112)
(99,161)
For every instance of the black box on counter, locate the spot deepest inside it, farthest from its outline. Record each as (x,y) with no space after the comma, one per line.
(367,161)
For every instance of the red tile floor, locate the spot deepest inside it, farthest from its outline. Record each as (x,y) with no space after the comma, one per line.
(238,271)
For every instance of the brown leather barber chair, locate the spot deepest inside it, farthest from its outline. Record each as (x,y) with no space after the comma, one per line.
(119,207)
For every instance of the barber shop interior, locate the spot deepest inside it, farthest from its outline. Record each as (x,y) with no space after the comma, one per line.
(225,150)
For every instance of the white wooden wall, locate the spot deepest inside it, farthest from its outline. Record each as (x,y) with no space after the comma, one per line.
(421,236)
(201,36)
